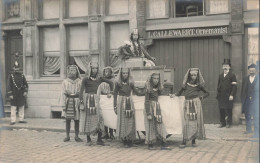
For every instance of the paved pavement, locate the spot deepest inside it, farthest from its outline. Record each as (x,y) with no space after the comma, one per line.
(36,141)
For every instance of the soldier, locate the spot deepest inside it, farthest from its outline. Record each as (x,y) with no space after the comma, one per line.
(70,91)
(226,91)
(17,88)
(91,117)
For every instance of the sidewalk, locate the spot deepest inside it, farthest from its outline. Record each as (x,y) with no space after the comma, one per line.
(235,133)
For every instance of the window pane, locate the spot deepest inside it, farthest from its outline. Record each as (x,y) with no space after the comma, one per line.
(186,8)
(78,8)
(51,39)
(117,7)
(78,38)
(119,32)
(78,46)
(51,50)
(252,4)
(218,6)
(157,8)
(51,9)
(253,51)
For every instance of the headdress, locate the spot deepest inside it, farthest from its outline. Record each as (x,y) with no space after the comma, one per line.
(200,80)
(149,82)
(125,69)
(69,67)
(89,69)
(108,68)
(135,31)
(16,62)
(227,62)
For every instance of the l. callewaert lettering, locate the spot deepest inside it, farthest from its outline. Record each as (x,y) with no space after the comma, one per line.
(187,32)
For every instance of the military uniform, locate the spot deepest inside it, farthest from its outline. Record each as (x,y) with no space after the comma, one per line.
(17,88)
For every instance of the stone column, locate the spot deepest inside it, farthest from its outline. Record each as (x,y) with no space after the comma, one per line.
(237,32)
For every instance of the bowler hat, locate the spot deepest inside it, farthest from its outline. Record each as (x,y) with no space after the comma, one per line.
(226,62)
(251,66)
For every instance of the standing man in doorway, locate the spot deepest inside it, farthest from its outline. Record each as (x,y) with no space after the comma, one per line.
(17,88)
(226,91)
(248,97)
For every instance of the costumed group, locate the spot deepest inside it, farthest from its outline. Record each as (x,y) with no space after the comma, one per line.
(82,100)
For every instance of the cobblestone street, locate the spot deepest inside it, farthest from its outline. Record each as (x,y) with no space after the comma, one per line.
(23,145)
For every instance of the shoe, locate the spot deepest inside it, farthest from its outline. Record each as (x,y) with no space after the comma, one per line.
(165,148)
(228,126)
(66,139)
(22,122)
(221,125)
(151,147)
(89,143)
(194,145)
(100,142)
(77,139)
(12,123)
(112,137)
(182,146)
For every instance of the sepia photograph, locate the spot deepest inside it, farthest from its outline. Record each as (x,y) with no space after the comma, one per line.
(129,81)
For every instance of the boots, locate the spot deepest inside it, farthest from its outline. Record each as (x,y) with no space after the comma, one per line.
(151,147)
(99,140)
(183,145)
(193,143)
(76,126)
(67,130)
(164,146)
(89,142)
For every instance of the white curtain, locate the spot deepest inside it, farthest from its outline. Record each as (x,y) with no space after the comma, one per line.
(51,65)
(82,61)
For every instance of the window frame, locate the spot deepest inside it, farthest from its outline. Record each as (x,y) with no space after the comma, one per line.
(167,10)
(41,53)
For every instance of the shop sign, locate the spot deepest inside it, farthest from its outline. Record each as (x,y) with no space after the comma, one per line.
(188,32)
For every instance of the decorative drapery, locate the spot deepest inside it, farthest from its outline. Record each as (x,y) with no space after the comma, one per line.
(82,61)
(51,65)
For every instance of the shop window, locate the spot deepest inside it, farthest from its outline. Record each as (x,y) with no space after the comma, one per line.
(117,7)
(118,33)
(158,8)
(187,8)
(217,6)
(50,9)
(253,49)
(78,46)
(50,50)
(78,8)
(252,4)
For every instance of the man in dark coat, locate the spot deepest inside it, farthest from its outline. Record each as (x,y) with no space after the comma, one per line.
(226,91)
(17,88)
(248,96)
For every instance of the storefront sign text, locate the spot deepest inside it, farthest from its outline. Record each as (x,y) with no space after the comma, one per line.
(187,32)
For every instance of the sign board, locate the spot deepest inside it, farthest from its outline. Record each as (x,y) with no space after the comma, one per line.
(188,32)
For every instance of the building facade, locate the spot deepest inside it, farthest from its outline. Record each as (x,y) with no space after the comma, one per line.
(48,35)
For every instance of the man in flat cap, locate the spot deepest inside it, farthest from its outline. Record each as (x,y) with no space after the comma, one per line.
(248,97)
(226,91)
